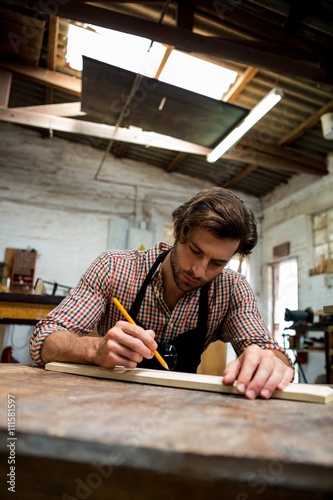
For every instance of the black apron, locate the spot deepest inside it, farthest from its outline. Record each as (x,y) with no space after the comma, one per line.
(189,345)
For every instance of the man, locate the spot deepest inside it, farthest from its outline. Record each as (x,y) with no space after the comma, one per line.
(183,297)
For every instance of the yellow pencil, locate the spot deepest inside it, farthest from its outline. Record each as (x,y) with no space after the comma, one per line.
(130,320)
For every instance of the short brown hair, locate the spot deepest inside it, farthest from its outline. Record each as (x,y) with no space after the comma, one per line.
(220,211)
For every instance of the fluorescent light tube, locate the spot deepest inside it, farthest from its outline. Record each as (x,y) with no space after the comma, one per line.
(260,110)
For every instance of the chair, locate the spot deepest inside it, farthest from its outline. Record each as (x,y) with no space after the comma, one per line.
(214,359)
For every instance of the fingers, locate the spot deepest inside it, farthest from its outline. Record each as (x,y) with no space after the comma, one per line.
(134,337)
(231,371)
(258,372)
(125,345)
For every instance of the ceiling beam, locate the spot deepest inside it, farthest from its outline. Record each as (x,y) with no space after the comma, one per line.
(185,16)
(137,136)
(5,85)
(244,173)
(252,22)
(52,48)
(175,162)
(241,82)
(52,42)
(163,62)
(47,77)
(287,154)
(61,109)
(238,153)
(132,135)
(306,124)
(251,53)
(310,162)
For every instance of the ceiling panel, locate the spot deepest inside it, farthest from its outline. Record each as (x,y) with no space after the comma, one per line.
(121,97)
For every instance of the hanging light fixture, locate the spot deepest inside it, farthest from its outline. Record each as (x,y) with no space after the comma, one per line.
(260,110)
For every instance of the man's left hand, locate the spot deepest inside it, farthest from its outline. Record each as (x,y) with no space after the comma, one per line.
(259,372)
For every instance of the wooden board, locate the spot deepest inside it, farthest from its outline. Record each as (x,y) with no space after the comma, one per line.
(297,392)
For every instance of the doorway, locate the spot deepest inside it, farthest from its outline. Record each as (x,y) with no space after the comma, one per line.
(284,293)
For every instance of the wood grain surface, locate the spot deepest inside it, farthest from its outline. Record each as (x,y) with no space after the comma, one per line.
(86,437)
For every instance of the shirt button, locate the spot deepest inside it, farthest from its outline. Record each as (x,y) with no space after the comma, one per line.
(157,294)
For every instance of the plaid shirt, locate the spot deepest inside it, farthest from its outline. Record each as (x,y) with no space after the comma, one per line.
(233,314)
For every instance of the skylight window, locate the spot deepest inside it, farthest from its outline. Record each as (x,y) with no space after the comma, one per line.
(112,47)
(141,56)
(199,76)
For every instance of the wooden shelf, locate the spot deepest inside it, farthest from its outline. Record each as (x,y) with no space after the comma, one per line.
(26,309)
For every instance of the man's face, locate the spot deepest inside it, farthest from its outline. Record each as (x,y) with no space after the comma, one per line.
(200,259)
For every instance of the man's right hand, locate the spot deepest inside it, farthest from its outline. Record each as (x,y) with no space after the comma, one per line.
(125,345)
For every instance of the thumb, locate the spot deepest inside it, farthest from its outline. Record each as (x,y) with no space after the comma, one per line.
(231,371)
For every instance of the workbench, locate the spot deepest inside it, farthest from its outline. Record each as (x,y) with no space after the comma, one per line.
(88,438)
(326,330)
(26,308)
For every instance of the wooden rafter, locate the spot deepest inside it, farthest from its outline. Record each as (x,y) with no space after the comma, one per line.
(264,54)
(47,77)
(69,125)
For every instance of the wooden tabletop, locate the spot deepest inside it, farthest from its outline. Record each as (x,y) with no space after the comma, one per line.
(161,439)
(25,308)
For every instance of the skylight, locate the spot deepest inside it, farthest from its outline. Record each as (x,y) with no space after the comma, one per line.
(112,47)
(141,56)
(192,73)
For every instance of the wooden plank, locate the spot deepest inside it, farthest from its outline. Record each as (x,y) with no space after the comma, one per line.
(328,309)
(241,153)
(53,79)
(21,36)
(52,43)
(59,109)
(70,125)
(296,392)
(5,84)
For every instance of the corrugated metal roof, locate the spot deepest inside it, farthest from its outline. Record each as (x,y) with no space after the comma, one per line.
(293,125)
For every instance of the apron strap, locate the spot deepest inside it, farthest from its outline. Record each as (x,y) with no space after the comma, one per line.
(203,309)
(134,310)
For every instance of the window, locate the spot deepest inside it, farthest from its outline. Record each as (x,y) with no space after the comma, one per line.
(241,265)
(112,47)
(323,238)
(168,236)
(197,75)
(141,56)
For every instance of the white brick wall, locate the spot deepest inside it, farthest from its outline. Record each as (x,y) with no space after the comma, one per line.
(51,201)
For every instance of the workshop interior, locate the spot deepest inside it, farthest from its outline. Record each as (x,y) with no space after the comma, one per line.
(151,101)
(112,115)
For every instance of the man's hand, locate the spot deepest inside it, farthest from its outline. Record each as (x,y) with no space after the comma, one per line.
(259,371)
(125,345)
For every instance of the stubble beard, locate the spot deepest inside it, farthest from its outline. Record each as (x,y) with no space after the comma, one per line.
(178,272)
